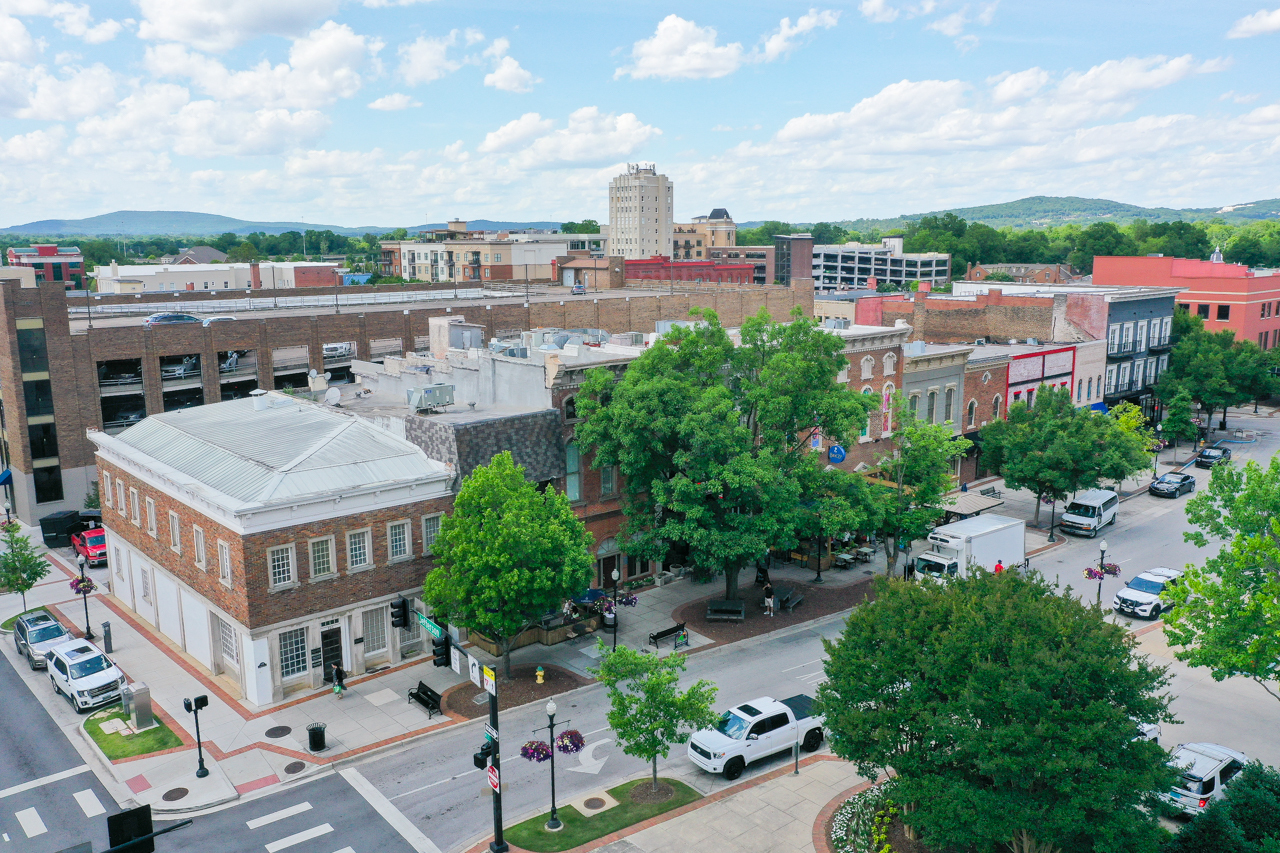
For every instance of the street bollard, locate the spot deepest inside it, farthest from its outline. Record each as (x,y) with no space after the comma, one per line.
(795,750)
(106,637)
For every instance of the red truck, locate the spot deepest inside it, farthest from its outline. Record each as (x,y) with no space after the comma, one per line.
(92,543)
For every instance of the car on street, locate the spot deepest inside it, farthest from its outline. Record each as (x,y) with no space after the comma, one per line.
(80,671)
(166,318)
(1172,485)
(1211,456)
(92,544)
(753,731)
(1206,770)
(1144,595)
(36,633)
(209,321)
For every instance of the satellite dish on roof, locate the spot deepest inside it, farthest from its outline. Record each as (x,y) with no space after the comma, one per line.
(312,373)
(327,376)
(332,396)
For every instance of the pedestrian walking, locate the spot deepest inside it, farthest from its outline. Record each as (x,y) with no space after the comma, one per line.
(339,680)
(768,599)
(999,566)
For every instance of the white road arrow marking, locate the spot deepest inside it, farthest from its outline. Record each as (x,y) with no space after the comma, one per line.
(591,764)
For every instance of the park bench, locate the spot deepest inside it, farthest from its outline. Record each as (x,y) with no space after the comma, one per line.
(789,601)
(426,697)
(726,611)
(656,638)
(990,492)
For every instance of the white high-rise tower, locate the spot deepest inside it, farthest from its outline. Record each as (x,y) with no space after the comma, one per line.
(640,205)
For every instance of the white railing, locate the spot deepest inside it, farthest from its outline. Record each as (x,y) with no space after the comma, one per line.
(271,303)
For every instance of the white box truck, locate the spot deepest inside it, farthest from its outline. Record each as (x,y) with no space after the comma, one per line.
(978,543)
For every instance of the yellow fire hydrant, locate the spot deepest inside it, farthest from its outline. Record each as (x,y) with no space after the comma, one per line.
(539,675)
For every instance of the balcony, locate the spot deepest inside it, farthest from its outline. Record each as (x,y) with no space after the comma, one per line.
(1158,344)
(1120,349)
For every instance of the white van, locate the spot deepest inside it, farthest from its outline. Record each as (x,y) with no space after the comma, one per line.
(1090,512)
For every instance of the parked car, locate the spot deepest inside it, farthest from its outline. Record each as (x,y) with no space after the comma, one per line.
(753,731)
(1206,770)
(92,544)
(1172,485)
(1143,596)
(209,321)
(131,414)
(1090,512)
(36,633)
(167,318)
(84,675)
(1211,456)
(188,367)
(337,350)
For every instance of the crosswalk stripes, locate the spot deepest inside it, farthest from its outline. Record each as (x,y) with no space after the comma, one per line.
(280,815)
(29,820)
(299,837)
(89,803)
(295,838)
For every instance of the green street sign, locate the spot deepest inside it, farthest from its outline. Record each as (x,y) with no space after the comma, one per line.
(432,628)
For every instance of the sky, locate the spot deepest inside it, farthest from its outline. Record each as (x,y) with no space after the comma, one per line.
(398,112)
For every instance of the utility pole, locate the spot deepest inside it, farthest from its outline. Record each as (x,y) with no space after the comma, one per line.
(498,845)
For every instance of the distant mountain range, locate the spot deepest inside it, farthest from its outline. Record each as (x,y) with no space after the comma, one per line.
(131,223)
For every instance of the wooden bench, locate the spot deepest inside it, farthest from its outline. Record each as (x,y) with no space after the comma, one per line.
(656,638)
(726,611)
(990,492)
(790,601)
(426,697)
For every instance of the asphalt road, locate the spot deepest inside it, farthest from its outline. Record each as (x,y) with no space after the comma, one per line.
(49,797)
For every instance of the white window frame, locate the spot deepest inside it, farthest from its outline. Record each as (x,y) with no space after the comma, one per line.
(971,412)
(107,497)
(371,621)
(291,550)
(151,518)
(224,562)
(120,507)
(868,367)
(368,550)
(408,541)
(1140,336)
(573,473)
(175,533)
(311,557)
(197,547)
(608,481)
(135,513)
(429,538)
(303,660)
(890,364)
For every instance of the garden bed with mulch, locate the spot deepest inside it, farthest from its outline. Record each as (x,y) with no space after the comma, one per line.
(818,601)
(522,689)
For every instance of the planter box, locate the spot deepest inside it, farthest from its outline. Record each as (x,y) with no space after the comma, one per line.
(663,578)
(536,634)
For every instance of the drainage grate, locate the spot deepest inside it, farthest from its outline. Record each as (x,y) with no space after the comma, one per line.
(294,767)
(480,698)
(278,731)
(174,794)
(593,803)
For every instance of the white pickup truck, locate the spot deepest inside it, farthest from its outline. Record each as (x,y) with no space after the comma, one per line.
(755,730)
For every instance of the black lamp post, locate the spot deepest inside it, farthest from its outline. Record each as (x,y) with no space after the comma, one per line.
(554,823)
(7,507)
(1053,507)
(617,576)
(1102,568)
(193,706)
(1155,462)
(84,595)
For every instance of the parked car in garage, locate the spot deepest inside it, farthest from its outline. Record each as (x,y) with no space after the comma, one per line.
(1172,485)
(168,318)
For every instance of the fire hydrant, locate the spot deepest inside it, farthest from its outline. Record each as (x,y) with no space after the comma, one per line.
(539,675)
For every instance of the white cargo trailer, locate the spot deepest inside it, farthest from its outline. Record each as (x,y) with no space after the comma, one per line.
(973,544)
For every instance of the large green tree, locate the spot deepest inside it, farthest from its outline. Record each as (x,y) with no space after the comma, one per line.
(508,554)
(713,440)
(1227,613)
(1006,709)
(1178,424)
(648,711)
(21,568)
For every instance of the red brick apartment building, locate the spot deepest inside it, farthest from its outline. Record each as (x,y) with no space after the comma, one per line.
(51,263)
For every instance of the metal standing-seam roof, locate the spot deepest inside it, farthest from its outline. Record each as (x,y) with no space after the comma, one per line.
(285,452)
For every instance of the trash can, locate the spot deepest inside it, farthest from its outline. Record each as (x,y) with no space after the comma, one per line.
(315,737)
(610,621)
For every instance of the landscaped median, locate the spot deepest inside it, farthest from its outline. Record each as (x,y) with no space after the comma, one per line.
(110,731)
(636,801)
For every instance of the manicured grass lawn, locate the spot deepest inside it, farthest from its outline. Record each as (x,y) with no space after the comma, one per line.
(9,623)
(115,746)
(578,829)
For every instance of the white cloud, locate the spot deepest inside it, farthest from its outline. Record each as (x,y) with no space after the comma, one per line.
(681,49)
(323,66)
(510,77)
(76,20)
(880,12)
(1260,23)
(1238,97)
(950,25)
(1116,81)
(426,59)
(515,133)
(589,137)
(383,4)
(1018,87)
(16,43)
(473,36)
(85,91)
(34,147)
(787,37)
(395,101)
(987,13)
(218,25)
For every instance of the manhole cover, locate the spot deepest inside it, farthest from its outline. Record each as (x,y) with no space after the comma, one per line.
(593,803)
(295,767)
(480,698)
(174,794)
(278,731)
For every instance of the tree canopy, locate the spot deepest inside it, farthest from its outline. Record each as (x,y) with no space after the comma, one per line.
(1006,709)
(21,568)
(1217,370)
(713,440)
(586,226)
(507,555)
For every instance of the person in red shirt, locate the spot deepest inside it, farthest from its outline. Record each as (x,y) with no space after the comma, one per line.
(999,566)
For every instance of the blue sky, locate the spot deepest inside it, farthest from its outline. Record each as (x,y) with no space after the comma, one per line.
(390,112)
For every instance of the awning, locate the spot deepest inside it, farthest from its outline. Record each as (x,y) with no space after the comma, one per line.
(970,503)
(6,478)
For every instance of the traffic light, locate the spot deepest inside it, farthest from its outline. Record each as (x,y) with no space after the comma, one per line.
(440,648)
(481,758)
(400,613)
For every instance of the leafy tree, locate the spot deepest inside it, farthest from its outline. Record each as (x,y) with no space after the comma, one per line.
(1178,424)
(93,500)
(1248,370)
(998,276)
(1211,831)
(586,226)
(1184,323)
(713,440)
(243,253)
(21,568)
(507,555)
(1227,613)
(917,474)
(763,234)
(1006,709)
(1100,238)
(827,234)
(225,242)
(647,710)
(1197,364)
(1130,420)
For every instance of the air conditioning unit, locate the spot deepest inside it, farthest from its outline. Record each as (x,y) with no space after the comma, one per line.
(432,397)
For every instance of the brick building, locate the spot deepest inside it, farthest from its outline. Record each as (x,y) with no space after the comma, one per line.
(986,381)
(1023,273)
(875,367)
(255,275)
(266,537)
(760,257)
(51,262)
(660,268)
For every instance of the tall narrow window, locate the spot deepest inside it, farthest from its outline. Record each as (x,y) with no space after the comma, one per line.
(973,411)
(120,505)
(224,563)
(932,408)
(608,481)
(398,540)
(430,529)
(321,557)
(358,550)
(106,489)
(949,405)
(134,514)
(573,473)
(280,562)
(293,652)
(151,517)
(175,532)
(197,546)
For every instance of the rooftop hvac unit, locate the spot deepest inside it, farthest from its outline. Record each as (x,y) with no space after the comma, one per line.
(516,352)
(433,397)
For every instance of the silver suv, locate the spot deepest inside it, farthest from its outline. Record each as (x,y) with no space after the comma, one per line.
(1206,770)
(82,673)
(36,633)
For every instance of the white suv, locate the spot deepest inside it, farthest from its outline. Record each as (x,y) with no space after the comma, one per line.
(83,674)
(1144,595)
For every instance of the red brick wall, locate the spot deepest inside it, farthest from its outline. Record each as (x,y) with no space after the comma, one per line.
(315,276)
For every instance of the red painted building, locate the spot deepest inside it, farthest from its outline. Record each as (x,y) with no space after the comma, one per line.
(1227,296)
(51,263)
(662,268)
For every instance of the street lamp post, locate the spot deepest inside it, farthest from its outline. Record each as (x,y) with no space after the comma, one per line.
(1155,462)
(193,706)
(617,576)
(1053,508)
(554,823)
(84,595)
(1102,567)
(7,507)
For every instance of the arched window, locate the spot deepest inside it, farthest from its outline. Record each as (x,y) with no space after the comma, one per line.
(973,411)
(886,408)
(932,407)
(1090,387)
(1079,390)
(868,367)
(995,407)
(913,405)
(890,363)
(949,407)
(865,432)
(570,408)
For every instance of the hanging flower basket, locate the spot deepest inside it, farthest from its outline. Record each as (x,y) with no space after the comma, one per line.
(1097,573)
(628,600)
(83,586)
(570,741)
(536,750)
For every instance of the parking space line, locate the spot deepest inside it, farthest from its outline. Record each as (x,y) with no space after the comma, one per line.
(89,803)
(280,815)
(299,837)
(29,820)
(44,780)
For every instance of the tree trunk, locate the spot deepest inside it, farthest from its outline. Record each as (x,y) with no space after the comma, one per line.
(24,601)
(655,773)
(731,584)
(1039,497)
(506,658)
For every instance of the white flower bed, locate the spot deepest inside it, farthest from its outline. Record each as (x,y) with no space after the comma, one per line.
(853,824)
